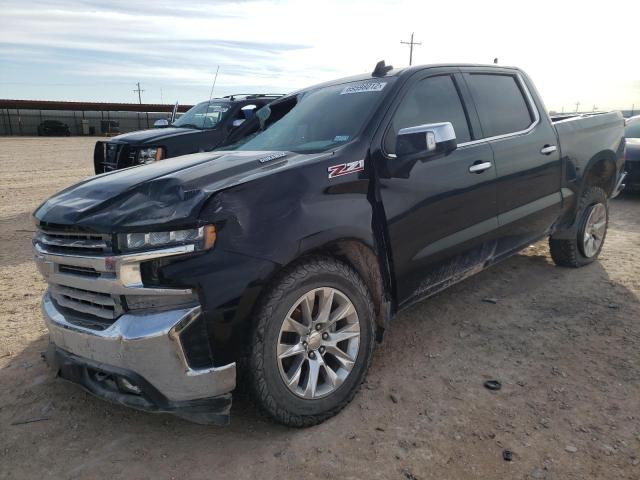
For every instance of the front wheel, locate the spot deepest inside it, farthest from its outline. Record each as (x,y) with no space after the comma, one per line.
(313,342)
(593,220)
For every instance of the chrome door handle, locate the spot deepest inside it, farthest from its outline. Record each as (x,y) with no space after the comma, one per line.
(548,149)
(479,167)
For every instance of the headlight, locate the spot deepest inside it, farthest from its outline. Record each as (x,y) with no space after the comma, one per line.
(150,155)
(202,238)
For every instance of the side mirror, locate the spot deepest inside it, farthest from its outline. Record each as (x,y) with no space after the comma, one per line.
(426,139)
(161,123)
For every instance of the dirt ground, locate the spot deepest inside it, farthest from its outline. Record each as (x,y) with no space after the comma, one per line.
(564,343)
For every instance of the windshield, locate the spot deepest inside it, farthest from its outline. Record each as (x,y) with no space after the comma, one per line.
(204,115)
(313,121)
(632,130)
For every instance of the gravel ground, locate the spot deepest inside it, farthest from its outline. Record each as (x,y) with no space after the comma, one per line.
(564,343)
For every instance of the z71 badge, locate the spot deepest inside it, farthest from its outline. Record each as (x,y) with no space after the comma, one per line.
(346,168)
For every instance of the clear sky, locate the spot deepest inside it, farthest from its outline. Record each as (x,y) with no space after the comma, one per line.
(96,50)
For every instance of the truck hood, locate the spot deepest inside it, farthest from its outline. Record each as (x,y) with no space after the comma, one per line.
(153,135)
(165,194)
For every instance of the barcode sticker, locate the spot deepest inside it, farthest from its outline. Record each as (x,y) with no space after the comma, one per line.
(363,87)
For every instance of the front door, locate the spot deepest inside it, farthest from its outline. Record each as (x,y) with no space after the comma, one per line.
(441,216)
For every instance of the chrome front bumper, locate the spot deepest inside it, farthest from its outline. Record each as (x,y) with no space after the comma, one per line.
(147,344)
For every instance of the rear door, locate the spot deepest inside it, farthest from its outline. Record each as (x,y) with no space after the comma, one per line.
(440,216)
(526,154)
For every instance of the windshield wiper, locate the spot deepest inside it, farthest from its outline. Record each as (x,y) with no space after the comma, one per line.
(186,125)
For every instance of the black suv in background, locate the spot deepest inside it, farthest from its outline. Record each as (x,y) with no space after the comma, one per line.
(201,129)
(53,128)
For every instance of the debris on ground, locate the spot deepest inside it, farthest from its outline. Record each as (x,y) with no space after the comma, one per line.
(30,420)
(492,385)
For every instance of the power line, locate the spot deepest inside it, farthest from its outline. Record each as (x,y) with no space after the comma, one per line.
(139,93)
(411,44)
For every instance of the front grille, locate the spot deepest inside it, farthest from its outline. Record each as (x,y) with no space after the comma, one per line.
(75,270)
(92,284)
(109,156)
(96,304)
(86,308)
(74,242)
(132,158)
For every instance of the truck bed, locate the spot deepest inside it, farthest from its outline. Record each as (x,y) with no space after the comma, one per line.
(582,137)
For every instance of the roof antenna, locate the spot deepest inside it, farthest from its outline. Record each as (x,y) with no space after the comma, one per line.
(495,60)
(381,69)
(213,86)
(210,96)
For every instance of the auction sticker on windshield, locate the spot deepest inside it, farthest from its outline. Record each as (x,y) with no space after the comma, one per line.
(363,87)
(217,108)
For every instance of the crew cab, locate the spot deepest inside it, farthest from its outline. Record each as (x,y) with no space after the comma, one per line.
(200,129)
(279,259)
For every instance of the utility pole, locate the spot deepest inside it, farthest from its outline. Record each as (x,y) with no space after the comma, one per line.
(577,106)
(411,44)
(595,108)
(139,92)
(562,109)
(632,109)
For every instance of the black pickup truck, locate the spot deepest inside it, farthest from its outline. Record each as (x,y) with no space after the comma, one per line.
(279,259)
(200,129)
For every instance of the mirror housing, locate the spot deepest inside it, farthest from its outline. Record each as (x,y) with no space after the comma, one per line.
(428,139)
(161,123)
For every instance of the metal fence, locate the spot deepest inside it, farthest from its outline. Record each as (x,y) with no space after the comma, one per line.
(85,122)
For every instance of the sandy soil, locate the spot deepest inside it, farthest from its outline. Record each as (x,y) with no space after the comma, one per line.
(564,343)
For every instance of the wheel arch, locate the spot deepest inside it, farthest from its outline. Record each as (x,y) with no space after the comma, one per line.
(366,262)
(600,172)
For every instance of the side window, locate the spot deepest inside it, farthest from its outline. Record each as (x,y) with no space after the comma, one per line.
(500,103)
(432,100)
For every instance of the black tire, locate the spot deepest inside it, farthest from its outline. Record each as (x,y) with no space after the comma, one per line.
(570,252)
(263,377)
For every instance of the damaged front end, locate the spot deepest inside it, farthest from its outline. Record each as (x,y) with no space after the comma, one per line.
(125,341)
(146,306)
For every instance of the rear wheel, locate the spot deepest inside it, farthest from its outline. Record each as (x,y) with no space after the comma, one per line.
(593,220)
(313,342)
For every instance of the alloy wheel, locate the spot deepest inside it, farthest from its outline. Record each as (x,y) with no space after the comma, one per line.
(318,343)
(594,230)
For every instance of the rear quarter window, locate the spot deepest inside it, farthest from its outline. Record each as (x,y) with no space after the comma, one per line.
(500,103)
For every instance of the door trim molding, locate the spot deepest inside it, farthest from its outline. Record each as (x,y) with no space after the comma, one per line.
(530,208)
(469,233)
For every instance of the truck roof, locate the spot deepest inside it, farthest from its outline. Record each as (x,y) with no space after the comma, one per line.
(239,97)
(397,72)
